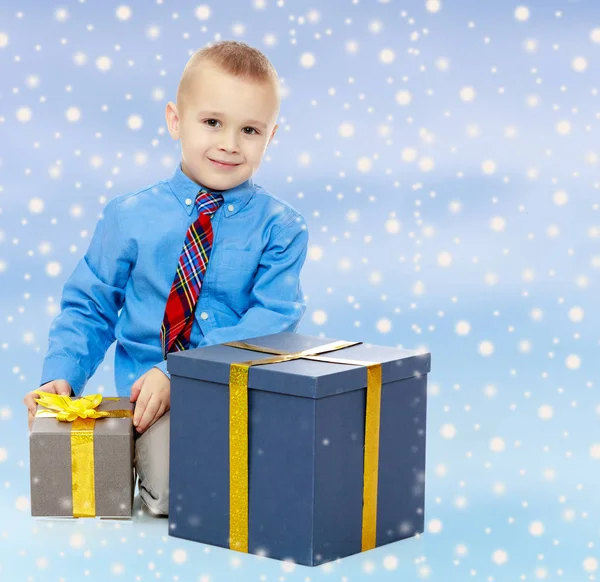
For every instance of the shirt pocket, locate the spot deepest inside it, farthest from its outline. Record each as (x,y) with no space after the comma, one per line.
(235,273)
(241,259)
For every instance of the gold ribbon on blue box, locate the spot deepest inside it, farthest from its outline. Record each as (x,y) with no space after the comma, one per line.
(238,436)
(82,413)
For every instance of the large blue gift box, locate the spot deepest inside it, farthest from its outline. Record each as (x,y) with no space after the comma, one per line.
(297,447)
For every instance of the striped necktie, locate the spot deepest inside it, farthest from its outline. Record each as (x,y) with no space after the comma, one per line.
(179,311)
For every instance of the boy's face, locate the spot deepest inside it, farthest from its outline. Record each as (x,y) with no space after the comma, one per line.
(224,119)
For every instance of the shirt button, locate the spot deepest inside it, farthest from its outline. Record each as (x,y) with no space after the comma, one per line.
(204,315)
(188,201)
(230,208)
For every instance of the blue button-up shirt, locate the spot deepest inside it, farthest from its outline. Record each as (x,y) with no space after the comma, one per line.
(119,289)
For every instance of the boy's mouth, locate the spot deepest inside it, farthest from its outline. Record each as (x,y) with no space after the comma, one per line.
(221,164)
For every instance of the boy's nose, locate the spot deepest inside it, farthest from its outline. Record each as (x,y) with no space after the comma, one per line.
(229,143)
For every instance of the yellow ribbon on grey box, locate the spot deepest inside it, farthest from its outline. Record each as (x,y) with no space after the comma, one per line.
(238,436)
(82,413)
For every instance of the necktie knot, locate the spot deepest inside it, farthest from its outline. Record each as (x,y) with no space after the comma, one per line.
(208,202)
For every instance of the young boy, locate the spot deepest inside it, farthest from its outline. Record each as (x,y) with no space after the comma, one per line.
(208,227)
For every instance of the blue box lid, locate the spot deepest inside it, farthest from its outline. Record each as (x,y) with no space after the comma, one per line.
(301,377)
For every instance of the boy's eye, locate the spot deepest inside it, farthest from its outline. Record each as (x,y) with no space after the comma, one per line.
(251,132)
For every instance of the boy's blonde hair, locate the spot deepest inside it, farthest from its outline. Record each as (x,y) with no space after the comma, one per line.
(234,57)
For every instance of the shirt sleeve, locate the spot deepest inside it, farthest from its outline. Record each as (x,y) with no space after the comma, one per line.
(91,299)
(277,301)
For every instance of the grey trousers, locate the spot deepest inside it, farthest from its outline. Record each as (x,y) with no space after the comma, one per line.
(151,461)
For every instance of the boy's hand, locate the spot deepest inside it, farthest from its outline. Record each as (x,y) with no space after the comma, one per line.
(54,387)
(152,395)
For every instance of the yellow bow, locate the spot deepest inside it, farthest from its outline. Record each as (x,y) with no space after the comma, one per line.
(68,409)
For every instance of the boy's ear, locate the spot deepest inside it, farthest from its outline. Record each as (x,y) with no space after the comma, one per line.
(272,134)
(172,119)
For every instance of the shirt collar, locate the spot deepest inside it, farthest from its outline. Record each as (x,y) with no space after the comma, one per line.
(186,191)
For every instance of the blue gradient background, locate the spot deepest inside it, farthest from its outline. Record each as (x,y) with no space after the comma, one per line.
(525,510)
